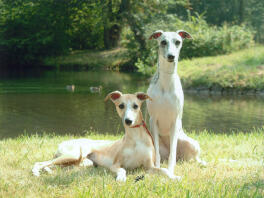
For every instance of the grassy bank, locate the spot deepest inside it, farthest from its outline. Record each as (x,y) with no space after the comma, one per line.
(241,71)
(90,59)
(235,169)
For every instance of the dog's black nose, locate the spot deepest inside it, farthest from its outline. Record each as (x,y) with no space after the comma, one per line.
(128,122)
(171,57)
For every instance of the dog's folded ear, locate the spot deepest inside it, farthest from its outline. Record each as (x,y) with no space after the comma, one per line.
(113,95)
(184,34)
(142,96)
(156,34)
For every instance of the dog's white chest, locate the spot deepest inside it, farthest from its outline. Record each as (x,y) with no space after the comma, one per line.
(136,156)
(166,104)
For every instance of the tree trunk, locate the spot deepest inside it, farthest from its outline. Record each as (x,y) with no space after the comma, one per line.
(112,29)
(241,11)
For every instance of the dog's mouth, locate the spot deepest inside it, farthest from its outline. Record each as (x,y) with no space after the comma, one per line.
(170,60)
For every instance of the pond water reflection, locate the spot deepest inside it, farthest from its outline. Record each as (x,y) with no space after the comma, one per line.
(43,104)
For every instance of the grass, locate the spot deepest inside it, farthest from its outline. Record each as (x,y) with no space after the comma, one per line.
(242,70)
(235,169)
(107,59)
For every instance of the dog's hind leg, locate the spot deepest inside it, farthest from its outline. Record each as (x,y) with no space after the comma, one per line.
(188,149)
(63,160)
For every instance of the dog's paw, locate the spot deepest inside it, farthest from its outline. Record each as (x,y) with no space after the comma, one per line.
(171,175)
(36,170)
(175,177)
(48,170)
(121,178)
(201,162)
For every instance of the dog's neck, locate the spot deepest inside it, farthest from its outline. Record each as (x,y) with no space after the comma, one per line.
(167,73)
(167,68)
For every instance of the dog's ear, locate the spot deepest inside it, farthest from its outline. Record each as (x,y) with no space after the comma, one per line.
(142,96)
(184,34)
(156,34)
(113,95)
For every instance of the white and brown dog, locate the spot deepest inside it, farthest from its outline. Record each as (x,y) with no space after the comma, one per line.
(166,107)
(134,150)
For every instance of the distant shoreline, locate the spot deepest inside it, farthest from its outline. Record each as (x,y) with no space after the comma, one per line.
(239,73)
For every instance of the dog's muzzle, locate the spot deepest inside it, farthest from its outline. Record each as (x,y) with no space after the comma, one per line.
(171,58)
(128,122)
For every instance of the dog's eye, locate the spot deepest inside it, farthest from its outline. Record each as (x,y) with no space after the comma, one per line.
(122,106)
(135,106)
(163,43)
(177,43)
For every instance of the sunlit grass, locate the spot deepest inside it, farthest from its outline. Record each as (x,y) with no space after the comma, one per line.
(240,70)
(108,59)
(235,169)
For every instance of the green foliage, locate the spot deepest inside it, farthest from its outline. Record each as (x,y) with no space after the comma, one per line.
(32,29)
(85,33)
(219,12)
(207,40)
(255,18)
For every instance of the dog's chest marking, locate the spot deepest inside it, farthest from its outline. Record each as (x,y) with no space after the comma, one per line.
(135,156)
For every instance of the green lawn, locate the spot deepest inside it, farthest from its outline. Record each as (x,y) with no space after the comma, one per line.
(242,70)
(235,169)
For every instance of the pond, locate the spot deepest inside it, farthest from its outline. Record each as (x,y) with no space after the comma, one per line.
(40,103)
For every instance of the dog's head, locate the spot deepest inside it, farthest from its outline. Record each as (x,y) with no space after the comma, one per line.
(170,43)
(128,106)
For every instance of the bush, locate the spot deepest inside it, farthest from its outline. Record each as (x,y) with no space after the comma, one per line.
(207,40)
(32,29)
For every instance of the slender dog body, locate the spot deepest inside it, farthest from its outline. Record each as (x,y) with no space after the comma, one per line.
(166,107)
(134,150)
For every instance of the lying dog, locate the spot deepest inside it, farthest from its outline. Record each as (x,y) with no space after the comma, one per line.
(134,150)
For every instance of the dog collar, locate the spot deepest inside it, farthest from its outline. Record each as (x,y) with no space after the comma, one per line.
(146,129)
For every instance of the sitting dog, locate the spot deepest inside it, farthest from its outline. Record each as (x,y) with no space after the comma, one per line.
(166,108)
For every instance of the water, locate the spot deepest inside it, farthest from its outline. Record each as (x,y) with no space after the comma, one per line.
(40,103)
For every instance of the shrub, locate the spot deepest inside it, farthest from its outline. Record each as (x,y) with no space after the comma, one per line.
(207,40)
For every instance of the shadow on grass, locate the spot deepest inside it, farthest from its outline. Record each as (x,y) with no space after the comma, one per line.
(69,175)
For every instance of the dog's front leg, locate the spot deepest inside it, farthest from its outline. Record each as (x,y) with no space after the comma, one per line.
(156,142)
(174,135)
(120,173)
